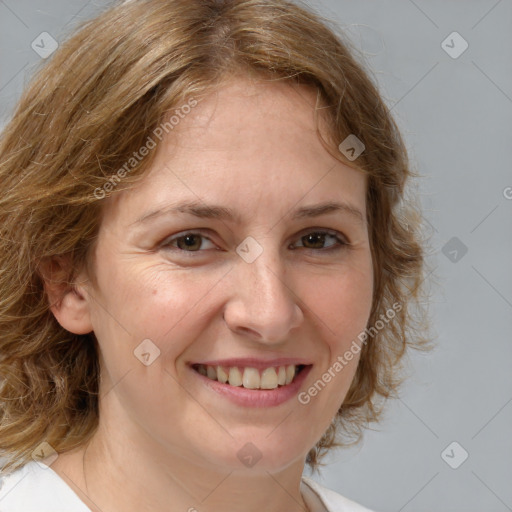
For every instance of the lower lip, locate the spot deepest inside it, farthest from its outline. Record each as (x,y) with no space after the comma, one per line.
(256,397)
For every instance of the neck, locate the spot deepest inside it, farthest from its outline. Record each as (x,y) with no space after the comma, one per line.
(114,473)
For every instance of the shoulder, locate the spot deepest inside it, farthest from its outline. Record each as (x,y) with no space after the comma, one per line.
(333,501)
(36,488)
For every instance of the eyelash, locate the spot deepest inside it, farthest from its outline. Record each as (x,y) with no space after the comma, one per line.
(340,242)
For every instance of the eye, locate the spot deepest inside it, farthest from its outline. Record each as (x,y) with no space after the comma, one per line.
(315,240)
(187,242)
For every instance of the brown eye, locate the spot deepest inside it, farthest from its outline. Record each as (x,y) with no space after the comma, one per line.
(187,242)
(320,241)
(316,240)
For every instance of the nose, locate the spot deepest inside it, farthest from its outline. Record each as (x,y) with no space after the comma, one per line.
(263,305)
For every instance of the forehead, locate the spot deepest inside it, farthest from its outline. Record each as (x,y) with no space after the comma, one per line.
(248,137)
(246,107)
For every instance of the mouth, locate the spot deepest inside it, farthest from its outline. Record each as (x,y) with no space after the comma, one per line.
(271,377)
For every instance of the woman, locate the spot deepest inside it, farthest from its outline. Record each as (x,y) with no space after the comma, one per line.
(207,270)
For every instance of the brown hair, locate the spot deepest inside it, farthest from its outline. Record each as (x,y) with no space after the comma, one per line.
(93,104)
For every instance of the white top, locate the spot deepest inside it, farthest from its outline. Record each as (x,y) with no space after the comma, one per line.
(35,488)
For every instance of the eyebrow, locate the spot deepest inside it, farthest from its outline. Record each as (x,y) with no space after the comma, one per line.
(205,211)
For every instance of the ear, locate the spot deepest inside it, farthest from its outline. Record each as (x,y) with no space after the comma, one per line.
(70,304)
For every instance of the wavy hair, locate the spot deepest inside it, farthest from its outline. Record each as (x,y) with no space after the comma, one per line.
(94,103)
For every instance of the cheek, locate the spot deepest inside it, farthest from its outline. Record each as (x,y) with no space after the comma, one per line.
(340,305)
(341,301)
(166,306)
(172,302)
(158,302)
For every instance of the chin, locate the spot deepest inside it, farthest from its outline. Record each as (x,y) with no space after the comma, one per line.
(264,452)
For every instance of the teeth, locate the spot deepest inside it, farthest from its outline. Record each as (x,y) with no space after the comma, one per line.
(249,377)
(269,378)
(290,372)
(211,372)
(235,377)
(222,376)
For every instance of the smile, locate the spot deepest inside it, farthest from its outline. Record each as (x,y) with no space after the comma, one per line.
(249,377)
(253,384)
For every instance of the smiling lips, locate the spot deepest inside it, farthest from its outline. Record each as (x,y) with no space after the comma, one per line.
(249,377)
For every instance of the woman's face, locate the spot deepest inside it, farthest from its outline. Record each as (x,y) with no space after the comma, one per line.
(229,272)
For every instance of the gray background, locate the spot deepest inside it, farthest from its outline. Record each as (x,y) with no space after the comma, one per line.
(456,116)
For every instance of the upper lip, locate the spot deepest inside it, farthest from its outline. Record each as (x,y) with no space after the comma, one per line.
(253,362)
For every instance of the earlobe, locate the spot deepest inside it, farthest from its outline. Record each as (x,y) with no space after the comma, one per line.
(70,304)
(72,312)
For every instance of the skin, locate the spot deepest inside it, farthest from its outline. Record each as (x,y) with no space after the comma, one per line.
(164,438)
